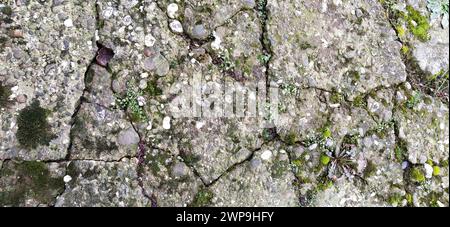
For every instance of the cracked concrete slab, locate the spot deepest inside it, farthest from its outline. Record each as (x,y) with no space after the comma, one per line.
(93,110)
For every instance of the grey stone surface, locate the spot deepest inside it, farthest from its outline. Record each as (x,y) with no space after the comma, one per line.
(90,98)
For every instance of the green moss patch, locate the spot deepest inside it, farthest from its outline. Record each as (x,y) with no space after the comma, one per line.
(417,23)
(33,127)
(417,175)
(202,198)
(5,92)
(31,179)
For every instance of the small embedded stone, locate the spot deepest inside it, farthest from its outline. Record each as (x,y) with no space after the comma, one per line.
(172,10)
(176,26)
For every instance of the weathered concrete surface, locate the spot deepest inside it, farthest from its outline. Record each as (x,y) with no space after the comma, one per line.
(89,95)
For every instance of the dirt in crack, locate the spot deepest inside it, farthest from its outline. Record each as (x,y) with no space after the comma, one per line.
(141,162)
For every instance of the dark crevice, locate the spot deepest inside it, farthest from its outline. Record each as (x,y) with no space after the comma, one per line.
(233,167)
(82,98)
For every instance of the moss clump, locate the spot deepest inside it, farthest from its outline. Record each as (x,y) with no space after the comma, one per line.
(324,159)
(409,199)
(291,139)
(202,198)
(155,162)
(400,31)
(405,50)
(189,158)
(395,199)
(370,169)
(153,89)
(336,98)
(6,10)
(354,75)
(269,134)
(324,185)
(5,92)
(326,133)
(399,153)
(305,45)
(32,180)
(436,171)
(359,101)
(33,127)
(417,24)
(417,175)
(279,168)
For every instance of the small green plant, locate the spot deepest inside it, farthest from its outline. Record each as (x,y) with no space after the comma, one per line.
(130,102)
(336,97)
(439,9)
(264,58)
(326,133)
(413,100)
(409,199)
(399,153)
(261,8)
(226,62)
(289,89)
(33,127)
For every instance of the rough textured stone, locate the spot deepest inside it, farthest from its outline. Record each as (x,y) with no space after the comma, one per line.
(100,184)
(96,90)
(48,65)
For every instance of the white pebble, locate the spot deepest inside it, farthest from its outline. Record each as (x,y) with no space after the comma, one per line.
(266,155)
(68,23)
(67,178)
(172,10)
(149,40)
(313,147)
(166,123)
(428,171)
(141,101)
(404,165)
(176,26)
(143,84)
(199,124)
(150,125)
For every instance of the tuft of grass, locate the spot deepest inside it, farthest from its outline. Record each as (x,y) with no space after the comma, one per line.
(33,127)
